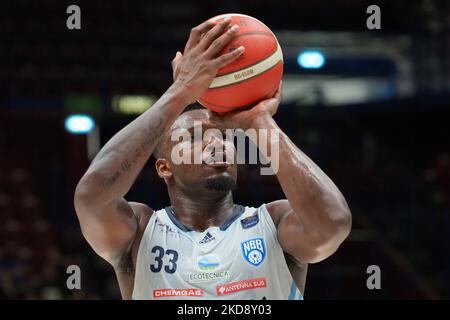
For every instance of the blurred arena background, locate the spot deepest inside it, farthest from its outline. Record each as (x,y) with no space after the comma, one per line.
(375,116)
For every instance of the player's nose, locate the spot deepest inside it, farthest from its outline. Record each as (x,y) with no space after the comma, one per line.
(215,141)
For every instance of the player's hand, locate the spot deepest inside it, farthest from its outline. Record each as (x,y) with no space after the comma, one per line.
(196,68)
(243,119)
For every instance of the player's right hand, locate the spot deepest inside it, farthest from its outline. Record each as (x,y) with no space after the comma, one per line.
(196,68)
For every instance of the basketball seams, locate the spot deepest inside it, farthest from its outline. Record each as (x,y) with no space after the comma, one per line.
(257,33)
(237,82)
(231,108)
(222,78)
(264,33)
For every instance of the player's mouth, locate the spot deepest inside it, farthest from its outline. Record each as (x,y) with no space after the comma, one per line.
(219,165)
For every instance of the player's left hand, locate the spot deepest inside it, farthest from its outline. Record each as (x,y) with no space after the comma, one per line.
(243,119)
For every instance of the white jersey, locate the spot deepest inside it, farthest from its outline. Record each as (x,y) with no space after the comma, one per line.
(242,259)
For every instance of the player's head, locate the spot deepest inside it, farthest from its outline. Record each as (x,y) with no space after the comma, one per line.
(197,162)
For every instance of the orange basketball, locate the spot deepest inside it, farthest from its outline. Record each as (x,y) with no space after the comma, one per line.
(254,76)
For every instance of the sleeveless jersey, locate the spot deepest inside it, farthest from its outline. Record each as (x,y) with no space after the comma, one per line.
(241,259)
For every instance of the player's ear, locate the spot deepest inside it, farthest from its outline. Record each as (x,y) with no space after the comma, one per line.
(163,168)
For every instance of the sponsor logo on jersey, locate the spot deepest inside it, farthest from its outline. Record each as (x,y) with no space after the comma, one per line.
(249,284)
(208,262)
(161,293)
(254,251)
(250,221)
(195,277)
(208,237)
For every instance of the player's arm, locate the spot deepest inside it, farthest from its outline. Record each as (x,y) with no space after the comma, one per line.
(315,219)
(108,222)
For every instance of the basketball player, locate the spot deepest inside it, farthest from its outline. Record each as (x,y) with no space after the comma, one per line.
(204,246)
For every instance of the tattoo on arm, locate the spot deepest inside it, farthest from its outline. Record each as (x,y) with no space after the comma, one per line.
(126,164)
(110,181)
(155,131)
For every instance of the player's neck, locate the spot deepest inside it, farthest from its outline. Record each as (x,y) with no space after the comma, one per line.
(202,212)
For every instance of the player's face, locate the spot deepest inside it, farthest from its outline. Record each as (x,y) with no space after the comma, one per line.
(202,152)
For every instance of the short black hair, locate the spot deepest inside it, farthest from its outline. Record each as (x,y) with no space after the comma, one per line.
(158,152)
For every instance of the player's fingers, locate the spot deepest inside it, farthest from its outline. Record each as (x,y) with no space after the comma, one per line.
(278,93)
(226,58)
(214,33)
(218,44)
(196,34)
(175,63)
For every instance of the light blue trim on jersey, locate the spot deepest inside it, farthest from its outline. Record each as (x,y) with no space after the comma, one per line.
(238,210)
(293,289)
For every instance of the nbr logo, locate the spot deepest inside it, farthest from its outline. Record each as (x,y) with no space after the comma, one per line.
(254,251)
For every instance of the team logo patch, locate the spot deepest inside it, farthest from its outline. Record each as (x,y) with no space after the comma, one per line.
(250,221)
(241,286)
(254,251)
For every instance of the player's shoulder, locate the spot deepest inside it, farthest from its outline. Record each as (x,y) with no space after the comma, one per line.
(278,209)
(141,209)
(264,208)
(143,214)
(126,265)
(275,209)
(263,212)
